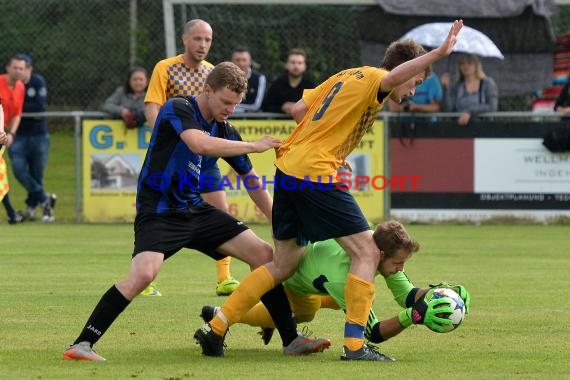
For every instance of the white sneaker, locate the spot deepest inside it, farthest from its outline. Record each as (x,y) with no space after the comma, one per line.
(48,207)
(81,351)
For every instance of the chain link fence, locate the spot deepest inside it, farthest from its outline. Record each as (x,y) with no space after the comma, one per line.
(81,47)
(85,48)
(329,37)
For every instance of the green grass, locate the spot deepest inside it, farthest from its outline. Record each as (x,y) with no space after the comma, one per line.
(53,275)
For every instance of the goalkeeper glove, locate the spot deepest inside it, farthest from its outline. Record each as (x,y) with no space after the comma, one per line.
(427,313)
(459,289)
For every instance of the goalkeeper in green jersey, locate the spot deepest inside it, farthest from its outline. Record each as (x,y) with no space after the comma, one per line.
(320,282)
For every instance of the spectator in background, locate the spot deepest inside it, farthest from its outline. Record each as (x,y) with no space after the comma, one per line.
(256,81)
(562,104)
(473,93)
(288,88)
(13,217)
(29,150)
(127,102)
(427,98)
(12,93)
(185,75)
(3,135)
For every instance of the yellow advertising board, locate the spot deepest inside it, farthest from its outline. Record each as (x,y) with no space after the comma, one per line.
(367,162)
(113,157)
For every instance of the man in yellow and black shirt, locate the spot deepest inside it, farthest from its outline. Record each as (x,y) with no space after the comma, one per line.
(185,75)
(332,119)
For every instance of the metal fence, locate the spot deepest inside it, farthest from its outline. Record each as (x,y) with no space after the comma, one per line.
(85,48)
(390,119)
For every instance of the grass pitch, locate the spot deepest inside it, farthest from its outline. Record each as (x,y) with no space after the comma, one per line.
(53,275)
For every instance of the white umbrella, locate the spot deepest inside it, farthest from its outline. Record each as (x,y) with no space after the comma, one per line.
(469,40)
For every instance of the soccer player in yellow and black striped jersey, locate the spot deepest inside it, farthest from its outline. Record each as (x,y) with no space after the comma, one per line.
(181,75)
(331,120)
(185,75)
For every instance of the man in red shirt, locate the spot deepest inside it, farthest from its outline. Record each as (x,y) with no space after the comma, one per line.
(12,92)
(3,136)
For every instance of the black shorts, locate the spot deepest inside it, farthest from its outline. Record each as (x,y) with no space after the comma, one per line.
(203,228)
(314,213)
(210,180)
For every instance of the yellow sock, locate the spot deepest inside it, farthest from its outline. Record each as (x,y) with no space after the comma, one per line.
(258,316)
(358,294)
(327,302)
(223,268)
(253,286)
(304,307)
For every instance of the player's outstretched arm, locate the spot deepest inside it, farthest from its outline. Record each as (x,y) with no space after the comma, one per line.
(266,143)
(205,145)
(448,44)
(380,331)
(384,330)
(411,68)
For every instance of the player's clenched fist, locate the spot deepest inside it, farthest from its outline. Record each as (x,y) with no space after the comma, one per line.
(265,143)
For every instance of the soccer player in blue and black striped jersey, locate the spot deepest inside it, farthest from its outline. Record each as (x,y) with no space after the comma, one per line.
(171,215)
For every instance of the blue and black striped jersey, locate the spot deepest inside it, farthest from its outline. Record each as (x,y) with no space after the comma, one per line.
(170,176)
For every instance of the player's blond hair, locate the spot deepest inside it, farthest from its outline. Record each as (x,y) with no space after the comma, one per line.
(227,74)
(391,236)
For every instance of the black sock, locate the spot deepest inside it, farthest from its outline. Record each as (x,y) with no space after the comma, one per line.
(107,310)
(278,306)
(8,206)
(375,336)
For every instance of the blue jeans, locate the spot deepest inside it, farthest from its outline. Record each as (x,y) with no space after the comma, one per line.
(29,155)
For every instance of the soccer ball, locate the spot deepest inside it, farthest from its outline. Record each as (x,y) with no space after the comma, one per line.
(456,304)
